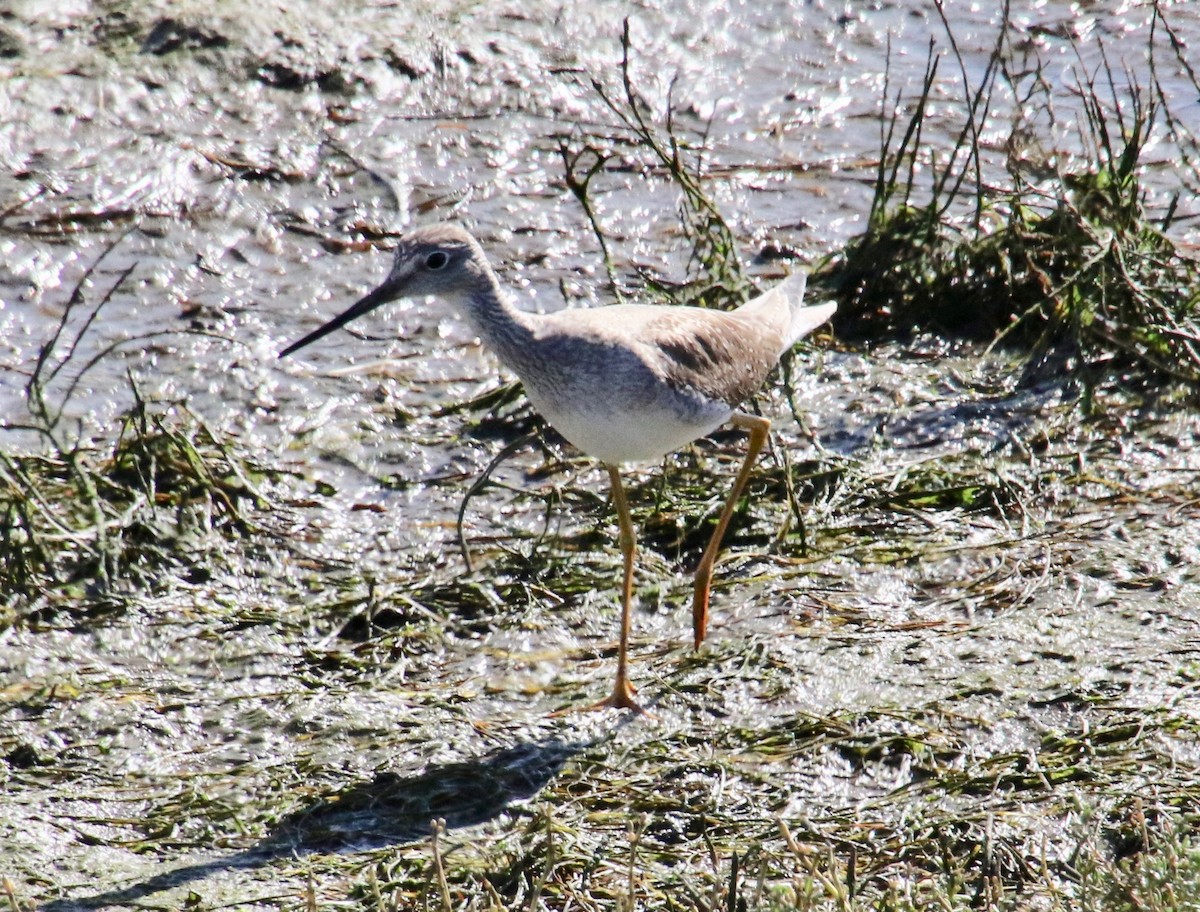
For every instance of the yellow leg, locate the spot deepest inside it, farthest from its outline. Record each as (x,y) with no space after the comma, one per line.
(622,695)
(758,428)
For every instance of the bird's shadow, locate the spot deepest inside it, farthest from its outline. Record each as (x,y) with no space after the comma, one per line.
(390,809)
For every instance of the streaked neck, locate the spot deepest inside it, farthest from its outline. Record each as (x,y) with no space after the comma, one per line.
(499,324)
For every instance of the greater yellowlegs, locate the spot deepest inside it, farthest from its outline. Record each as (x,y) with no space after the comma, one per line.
(624,383)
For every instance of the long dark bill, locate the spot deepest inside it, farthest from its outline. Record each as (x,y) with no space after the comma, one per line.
(381,295)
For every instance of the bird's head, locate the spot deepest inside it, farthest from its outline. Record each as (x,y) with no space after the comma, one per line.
(441,260)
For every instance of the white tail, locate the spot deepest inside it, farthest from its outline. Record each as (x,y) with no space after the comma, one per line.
(806,319)
(789,294)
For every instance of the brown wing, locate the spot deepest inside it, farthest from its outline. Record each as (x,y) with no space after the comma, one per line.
(720,355)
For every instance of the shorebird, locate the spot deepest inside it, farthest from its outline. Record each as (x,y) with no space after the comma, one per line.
(625,383)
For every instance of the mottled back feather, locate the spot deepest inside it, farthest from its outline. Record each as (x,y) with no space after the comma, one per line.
(722,356)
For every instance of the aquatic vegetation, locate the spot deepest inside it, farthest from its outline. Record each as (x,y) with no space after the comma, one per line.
(94,522)
(717,276)
(86,519)
(1064,261)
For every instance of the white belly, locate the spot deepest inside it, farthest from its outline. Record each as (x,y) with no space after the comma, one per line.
(635,435)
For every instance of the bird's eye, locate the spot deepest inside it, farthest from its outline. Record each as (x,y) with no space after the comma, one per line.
(437,260)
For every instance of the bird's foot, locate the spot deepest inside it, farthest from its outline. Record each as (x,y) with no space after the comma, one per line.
(622,697)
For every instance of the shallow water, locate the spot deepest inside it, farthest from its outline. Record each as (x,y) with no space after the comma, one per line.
(202,186)
(230,181)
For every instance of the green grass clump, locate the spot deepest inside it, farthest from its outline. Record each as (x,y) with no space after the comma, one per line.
(1093,274)
(97,519)
(1067,261)
(84,518)
(1162,874)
